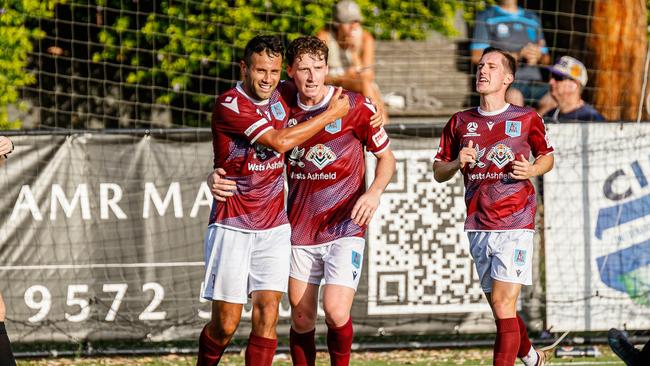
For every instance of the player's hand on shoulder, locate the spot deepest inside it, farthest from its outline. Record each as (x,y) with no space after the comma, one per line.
(365,208)
(521,169)
(467,155)
(220,187)
(5,145)
(339,104)
(377,120)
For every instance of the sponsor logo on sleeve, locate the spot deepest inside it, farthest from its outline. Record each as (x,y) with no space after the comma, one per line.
(380,137)
(500,155)
(278,111)
(513,128)
(334,127)
(255,126)
(320,155)
(231,103)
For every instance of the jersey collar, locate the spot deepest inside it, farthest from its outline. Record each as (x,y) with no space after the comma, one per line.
(328,96)
(493,113)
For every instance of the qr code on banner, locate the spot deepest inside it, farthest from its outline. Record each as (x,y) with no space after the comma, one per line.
(418,254)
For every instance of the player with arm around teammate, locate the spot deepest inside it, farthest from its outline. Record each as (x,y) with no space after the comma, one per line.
(491,146)
(247,245)
(328,204)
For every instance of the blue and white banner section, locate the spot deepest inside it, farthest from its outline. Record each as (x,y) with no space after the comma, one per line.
(597,219)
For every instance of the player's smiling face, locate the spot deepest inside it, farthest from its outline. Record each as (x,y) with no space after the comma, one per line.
(308,73)
(262,76)
(491,74)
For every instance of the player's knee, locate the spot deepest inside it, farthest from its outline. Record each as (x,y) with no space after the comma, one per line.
(336,315)
(303,320)
(222,331)
(504,308)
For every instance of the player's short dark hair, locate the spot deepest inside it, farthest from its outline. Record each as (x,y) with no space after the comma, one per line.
(309,45)
(272,45)
(510,63)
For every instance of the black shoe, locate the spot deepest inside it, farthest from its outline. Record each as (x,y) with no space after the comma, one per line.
(622,347)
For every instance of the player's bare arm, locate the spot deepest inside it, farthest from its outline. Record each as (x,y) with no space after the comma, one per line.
(367,204)
(286,139)
(445,170)
(523,169)
(6,147)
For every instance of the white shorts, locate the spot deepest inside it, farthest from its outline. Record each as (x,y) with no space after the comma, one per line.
(502,255)
(238,263)
(336,263)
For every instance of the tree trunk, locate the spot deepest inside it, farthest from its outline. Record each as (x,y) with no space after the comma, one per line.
(619,44)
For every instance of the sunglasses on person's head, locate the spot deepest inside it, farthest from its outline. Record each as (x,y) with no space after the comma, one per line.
(557,77)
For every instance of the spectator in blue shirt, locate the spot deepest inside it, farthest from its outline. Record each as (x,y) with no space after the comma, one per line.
(568,79)
(518,31)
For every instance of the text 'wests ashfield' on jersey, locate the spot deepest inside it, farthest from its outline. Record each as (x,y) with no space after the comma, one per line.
(313,176)
(265,166)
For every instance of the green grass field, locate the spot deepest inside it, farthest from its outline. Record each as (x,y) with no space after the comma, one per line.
(473,356)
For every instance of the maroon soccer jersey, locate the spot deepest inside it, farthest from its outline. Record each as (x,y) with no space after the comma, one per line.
(496,202)
(237,122)
(327,173)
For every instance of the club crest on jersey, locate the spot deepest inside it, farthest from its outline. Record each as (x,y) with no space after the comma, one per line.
(471,129)
(520,257)
(356,259)
(500,155)
(296,156)
(231,103)
(513,128)
(479,155)
(262,152)
(334,127)
(278,111)
(320,155)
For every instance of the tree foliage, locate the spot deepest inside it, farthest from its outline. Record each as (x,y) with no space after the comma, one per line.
(16,39)
(179,53)
(194,38)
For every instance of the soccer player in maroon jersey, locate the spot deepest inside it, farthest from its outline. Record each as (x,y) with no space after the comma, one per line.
(328,204)
(491,146)
(247,245)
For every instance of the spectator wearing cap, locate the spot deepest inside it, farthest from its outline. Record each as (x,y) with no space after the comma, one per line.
(518,31)
(351,56)
(568,79)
